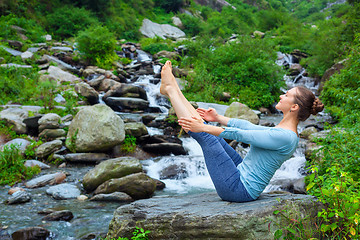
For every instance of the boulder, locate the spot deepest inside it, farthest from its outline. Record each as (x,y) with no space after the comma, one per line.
(14,118)
(112,168)
(63,66)
(307,132)
(63,215)
(120,103)
(31,233)
(18,197)
(86,157)
(88,92)
(112,197)
(44,180)
(31,163)
(63,191)
(150,29)
(181,217)
(26,55)
(108,84)
(48,148)
(52,133)
(20,143)
(174,171)
(137,185)
(127,90)
(241,111)
(49,121)
(95,128)
(11,51)
(165,148)
(177,22)
(62,76)
(135,129)
(331,71)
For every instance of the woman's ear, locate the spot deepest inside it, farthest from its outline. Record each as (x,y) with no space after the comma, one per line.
(294,107)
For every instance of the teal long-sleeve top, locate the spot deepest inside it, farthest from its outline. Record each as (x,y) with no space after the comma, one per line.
(269,148)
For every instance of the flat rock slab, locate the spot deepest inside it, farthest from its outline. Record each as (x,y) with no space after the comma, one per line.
(203,216)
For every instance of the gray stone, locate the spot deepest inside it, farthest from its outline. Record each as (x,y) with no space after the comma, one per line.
(20,143)
(137,185)
(241,111)
(88,92)
(31,163)
(258,34)
(49,121)
(14,118)
(26,55)
(18,197)
(112,197)
(151,29)
(112,168)
(95,128)
(12,51)
(135,129)
(165,148)
(63,191)
(62,76)
(108,84)
(44,180)
(95,83)
(48,148)
(126,90)
(52,133)
(15,65)
(181,217)
(319,135)
(307,132)
(64,49)
(177,22)
(295,69)
(86,157)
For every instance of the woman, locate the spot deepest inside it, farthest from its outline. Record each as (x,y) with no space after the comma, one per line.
(237,179)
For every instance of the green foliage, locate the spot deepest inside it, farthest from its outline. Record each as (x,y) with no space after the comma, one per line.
(97,45)
(192,25)
(33,30)
(12,167)
(342,91)
(47,91)
(30,149)
(71,141)
(155,45)
(7,131)
(138,234)
(244,68)
(68,21)
(129,144)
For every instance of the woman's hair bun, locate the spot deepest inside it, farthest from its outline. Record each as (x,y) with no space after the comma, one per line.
(318,106)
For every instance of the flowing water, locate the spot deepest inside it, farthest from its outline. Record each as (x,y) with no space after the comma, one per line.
(94,217)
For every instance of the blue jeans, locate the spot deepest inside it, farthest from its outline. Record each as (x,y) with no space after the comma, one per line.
(221,161)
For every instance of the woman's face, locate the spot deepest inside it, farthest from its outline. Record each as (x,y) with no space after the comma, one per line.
(286,100)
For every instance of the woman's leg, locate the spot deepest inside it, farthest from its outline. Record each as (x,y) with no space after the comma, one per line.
(222,169)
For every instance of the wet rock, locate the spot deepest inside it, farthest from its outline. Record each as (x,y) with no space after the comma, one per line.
(126,90)
(151,29)
(95,128)
(307,132)
(135,129)
(137,185)
(86,157)
(95,83)
(49,121)
(91,236)
(20,143)
(48,148)
(50,134)
(18,197)
(63,191)
(120,103)
(31,233)
(82,197)
(112,168)
(147,119)
(15,189)
(47,179)
(14,118)
(183,216)
(88,92)
(299,186)
(62,76)
(174,171)
(295,69)
(241,111)
(31,163)
(165,148)
(112,197)
(64,215)
(159,184)
(108,84)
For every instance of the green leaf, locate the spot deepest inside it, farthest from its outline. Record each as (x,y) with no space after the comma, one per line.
(278,233)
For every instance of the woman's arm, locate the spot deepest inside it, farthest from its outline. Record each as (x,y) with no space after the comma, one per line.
(211,115)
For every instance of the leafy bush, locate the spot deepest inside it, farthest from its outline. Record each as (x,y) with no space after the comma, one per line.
(68,21)
(129,144)
(12,167)
(170,5)
(155,45)
(97,45)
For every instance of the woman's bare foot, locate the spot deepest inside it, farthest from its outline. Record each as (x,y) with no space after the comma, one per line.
(167,81)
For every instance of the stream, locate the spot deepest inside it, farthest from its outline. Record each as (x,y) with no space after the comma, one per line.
(94,217)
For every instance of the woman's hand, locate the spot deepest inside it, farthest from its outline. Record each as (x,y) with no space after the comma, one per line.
(209,115)
(192,124)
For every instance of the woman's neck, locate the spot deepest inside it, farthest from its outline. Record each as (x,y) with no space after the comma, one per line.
(289,122)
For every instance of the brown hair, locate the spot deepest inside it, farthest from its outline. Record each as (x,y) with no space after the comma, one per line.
(308,103)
